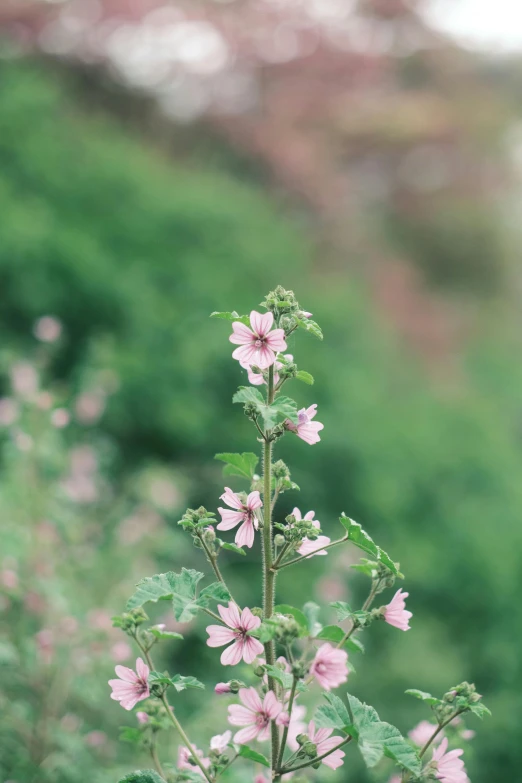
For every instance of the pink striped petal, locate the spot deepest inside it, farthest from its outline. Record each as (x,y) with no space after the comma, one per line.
(241,334)
(249,621)
(218,636)
(276,340)
(126,674)
(142,669)
(233,654)
(254,500)
(245,534)
(248,734)
(231,499)
(264,357)
(251,699)
(245,354)
(271,706)
(230,615)
(240,716)
(251,649)
(229,518)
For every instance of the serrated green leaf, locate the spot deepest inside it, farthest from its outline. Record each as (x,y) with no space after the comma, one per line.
(332,633)
(231,547)
(214,592)
(281,676)
(361,539)
(297,614)
(377,738)
(305,377)
(311,612)
(247,753)
(479,709)
(243,465)
(181,683)
(181,590)
(283,408)
(233,316)
(142,776)
(344,610)
(423,696)
(333,715)
(310,326)
(165,634)
(367,567)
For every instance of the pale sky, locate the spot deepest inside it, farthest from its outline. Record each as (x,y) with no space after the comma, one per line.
(489,24)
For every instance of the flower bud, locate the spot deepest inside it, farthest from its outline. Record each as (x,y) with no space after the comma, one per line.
(257,611)
(310,749)
(222,687)
(209,535)
(259,671)
(235,685)
(301,739)
(279,540)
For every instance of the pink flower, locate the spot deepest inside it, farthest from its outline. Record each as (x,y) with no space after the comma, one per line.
(449,767)
(309,547)
(255,715)
(258,345)
(306,429)
(132,687)
(220,741)
(184,755)
(96,739)
(329,667)
(222,687)
(395,779)
(60,418)
(396,613)
(422,733)
(467,734)
(244,646)
(243,512)
(47,329)
(323,742)
(142,717)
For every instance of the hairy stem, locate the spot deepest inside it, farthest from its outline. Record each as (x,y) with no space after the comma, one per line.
(366,605)
(269,575)
(212,559)
(155,760)
(285,732)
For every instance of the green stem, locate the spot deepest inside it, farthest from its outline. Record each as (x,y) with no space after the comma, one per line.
(305,557)
(285,732)
(212,614)
(365,606)
(213,562)
(405,774)
(155,759)
(177,725)
(269,575)
(309,763)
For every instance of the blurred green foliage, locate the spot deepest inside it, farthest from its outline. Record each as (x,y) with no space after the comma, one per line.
(132,252)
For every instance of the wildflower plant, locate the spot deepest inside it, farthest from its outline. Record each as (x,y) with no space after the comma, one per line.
(288,651)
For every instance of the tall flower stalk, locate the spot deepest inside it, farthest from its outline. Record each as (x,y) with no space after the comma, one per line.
(283,650)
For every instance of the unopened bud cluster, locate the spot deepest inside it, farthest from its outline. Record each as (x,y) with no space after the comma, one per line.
(285,307)
(129,622)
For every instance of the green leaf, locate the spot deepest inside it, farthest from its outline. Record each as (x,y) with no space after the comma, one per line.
(243,465)
(130,734)
(181,683)
(377,738)
(311,612)
(305,377)
(310,326)
(247,753)
(332,633)
(165,634)
(181,590)
(333,715)
(214,592)
(362,540)
(231,547)
(367,567)
(479,709)
(283,408)
(142,776)
(233,316)
(281,676)
(297,614)
(423,696)
(344,610)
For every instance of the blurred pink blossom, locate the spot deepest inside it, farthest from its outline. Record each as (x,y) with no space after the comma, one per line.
(9,579)
(422,732)
(8,411)
(71,722)
(329,667)
(121,651)
(90,406)
(96,739)
(222,687)
(24,379)
(183,760)
(142,717)
(220,741)
(47,329)
(142,522)
(23,441)
(44,400)
(331,588)
(45,645)
(99,619)
(60,418)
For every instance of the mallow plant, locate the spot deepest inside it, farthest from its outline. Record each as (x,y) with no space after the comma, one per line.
(285,649)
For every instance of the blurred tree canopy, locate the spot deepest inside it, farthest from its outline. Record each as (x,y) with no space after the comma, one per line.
(132,251)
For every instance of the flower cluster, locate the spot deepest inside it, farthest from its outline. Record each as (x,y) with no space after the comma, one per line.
(288,649)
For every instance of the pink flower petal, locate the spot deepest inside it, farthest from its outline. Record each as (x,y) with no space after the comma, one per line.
(245,534)
(124,673)
(251,699)
(254,500)
(231,499)
(229,519)
(230,615)
(251,649)
(218,636)
(245,354)
(276,340)
(241,334)
(249,621)
(243,736)
(240,716)
(233,654)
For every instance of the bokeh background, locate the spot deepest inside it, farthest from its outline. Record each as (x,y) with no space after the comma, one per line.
(161,160)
